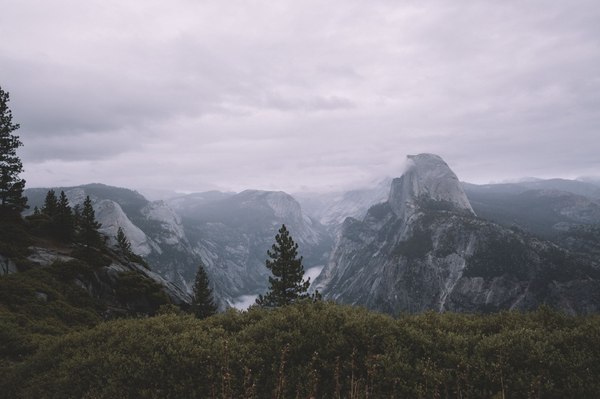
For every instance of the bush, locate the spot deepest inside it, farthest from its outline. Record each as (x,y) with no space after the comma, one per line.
(321,350)
(133,286)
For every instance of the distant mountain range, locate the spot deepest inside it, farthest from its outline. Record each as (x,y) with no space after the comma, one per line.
(566,212)
(405,244)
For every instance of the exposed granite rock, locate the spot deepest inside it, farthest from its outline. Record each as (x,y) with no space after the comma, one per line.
(425,249)
(106,283)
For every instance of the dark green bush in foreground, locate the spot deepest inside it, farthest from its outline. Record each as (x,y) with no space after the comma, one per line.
(321,350)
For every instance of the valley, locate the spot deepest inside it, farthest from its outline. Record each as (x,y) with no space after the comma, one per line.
(379,247)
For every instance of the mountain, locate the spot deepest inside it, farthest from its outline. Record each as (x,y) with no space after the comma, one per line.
(424,248)
(595,180)
(331,209)
(110,281)
(189,204)
(232,233)
(156,232)
(578,187)
(228,233)
(567,218)
(97,281)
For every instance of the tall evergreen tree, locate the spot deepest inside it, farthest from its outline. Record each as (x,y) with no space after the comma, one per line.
(123,243)
(50,207)
(64,221)
(77,216)
(203,304)
(287,284)
(88,225)
(12,200)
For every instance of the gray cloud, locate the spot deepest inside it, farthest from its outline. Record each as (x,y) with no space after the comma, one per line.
(190,95)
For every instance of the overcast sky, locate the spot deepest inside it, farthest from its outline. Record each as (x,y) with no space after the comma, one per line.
(291,95)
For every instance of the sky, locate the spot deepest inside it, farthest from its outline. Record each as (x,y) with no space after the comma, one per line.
(193,95)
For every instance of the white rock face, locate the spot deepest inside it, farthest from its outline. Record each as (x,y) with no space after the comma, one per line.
(284,206)
(284,209)
(46,257)
(427,178)
(172,231)
(111,216)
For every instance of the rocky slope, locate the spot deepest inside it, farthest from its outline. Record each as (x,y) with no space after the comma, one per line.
(156,232)
(118,285)
(425,249)
(228,233)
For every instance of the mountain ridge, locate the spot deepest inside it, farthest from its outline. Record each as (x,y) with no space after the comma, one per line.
(417,252)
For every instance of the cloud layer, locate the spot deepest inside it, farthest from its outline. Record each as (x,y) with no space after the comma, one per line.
(300,95)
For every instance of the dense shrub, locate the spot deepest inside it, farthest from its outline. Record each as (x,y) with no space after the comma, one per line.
(36,305)
(321,350)
(133,286)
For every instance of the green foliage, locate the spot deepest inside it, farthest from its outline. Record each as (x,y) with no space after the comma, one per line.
(286,283)
(203,304)
(134,287)
(14,239)
(124,246)
(95,257)
(55,220)
(50,207)
(40,303)
(122,242)
(88,225)
(501,255)
(138,259)
(12,201)
(319,350)
(64,221)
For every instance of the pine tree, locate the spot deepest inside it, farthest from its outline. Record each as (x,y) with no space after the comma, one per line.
(287,284)
(88,226)
(123,243)
(64,221)
(203,304)
(77,216)
(50,207)
(12,200)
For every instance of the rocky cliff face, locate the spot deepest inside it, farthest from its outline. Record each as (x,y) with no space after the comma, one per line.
(120,286)
(427,183)
(155,231)
(425,249)
(111,216)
